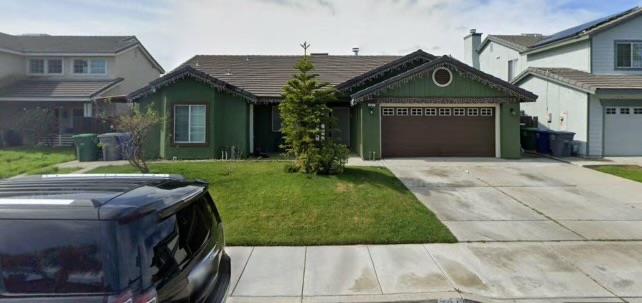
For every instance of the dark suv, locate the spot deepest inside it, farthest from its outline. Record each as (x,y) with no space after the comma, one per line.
(110,239)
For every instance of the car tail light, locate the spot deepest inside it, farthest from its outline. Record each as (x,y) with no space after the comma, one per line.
(149,296)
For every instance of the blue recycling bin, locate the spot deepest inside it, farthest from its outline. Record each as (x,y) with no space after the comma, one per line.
(543,138)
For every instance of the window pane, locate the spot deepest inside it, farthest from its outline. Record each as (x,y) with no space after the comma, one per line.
(37,66)
(637,55)
(276,119)
(54,66)
(181,123)
(98,66)
(623,53)
(81,67)
(197,127)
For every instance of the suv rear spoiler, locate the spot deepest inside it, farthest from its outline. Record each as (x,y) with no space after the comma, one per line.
(184,201)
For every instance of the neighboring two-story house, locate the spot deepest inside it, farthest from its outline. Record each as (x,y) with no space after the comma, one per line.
(69,78)
(588,79)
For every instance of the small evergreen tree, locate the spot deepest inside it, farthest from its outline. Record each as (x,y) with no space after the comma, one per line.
(306,122)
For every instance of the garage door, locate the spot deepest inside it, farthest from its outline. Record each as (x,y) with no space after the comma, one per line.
(438,131)
(622,126)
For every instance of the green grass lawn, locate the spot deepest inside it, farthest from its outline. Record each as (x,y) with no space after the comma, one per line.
(261,204)
(16,161)
(632,172)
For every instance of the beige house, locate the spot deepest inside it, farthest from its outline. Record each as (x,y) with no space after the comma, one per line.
(69,78)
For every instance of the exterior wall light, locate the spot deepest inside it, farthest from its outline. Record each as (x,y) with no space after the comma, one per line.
(371,108)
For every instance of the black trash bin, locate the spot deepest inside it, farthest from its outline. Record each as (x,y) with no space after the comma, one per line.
(528,138)
(561,143)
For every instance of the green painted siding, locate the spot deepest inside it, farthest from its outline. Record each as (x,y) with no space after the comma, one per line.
(509,131)
(265,140)
(227,121)
(355,130)
(460,87)
(369,124)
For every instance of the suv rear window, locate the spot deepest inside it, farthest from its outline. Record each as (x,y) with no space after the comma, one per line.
(182,236)
(55,257)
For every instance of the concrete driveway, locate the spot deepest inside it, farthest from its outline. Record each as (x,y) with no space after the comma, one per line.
(524,200)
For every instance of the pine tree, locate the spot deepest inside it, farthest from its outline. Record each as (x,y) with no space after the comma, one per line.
(306,121)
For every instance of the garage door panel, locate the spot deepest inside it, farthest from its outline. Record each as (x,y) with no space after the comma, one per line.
(622,127)
(463,136)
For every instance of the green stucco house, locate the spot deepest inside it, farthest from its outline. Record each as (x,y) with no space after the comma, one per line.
(418,105)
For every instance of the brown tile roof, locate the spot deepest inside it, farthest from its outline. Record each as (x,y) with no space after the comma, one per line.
(582,80)
(66,44)
(518,42)
(51,89)
(265,76)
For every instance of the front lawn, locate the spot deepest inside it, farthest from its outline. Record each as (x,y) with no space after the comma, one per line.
(261,204)
(16,161)
(632,172)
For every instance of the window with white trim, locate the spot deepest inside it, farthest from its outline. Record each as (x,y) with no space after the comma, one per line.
(486,112)
(388,111)
(473,112)
(444,111)
(416,111)
(402,111)
(90,66)
(431,111)
(637,110)
(36,66)
(625,111)
(628,54)
(611,111)
(54,66)
(458,111)
(190,123)
(276,119)
(512,69)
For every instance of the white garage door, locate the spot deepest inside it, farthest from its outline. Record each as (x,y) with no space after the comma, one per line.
(622,131)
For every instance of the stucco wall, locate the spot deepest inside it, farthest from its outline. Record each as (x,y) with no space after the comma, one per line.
(604,46)
(494,60)
(227,121)
(561,102)
(576,55)
(11,66)
(134,67)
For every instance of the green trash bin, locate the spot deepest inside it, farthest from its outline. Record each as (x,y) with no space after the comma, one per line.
(528,138)
(86,147)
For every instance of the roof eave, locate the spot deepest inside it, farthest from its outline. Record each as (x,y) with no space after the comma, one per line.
(556,44)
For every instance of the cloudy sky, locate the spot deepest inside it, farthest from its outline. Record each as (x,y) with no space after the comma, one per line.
(174,30)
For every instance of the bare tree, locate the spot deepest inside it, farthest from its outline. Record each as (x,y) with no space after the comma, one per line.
(138,124)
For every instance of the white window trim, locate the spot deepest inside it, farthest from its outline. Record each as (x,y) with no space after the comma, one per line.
(437,83)
(415,109)
(472,112)
(486,112)
(606,111)
(89,73)
(459,112)
(631,43)
(445,112)
(433,112)
(189,122)
(622,109)
(388,111)
(45,68)
(402,109)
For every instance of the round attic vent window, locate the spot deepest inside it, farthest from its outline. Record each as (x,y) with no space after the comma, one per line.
(442,77)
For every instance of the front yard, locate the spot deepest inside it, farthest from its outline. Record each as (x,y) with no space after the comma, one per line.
(632,172)
(16,161)
(261,204)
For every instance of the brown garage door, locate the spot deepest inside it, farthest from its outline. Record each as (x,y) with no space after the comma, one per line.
(438,131)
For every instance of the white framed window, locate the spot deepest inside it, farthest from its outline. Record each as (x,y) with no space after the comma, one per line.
(611,111)
(625,111)
(190,122)
(36,66)
(388,111)
(459,111)
(486,112)
(637,110)
(628,54)
(416,111)
(276,119)
(512,69)
(431,111)
(442,77)
(473,112)
(54,66)
(95,66)
(402,111)
(445,112)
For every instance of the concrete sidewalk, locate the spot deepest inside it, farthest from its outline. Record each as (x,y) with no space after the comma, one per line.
(485,272)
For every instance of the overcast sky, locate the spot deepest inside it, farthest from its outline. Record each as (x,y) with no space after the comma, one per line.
(175,30)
